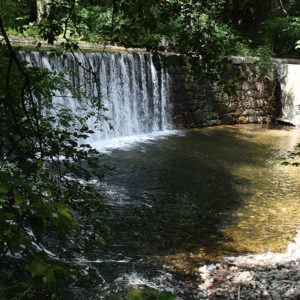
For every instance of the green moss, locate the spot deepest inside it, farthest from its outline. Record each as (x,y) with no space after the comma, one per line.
(28,44)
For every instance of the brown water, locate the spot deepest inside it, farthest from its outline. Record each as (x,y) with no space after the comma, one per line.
(185,200)
(269,210)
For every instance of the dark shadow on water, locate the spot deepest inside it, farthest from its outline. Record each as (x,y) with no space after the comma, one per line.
(177,191)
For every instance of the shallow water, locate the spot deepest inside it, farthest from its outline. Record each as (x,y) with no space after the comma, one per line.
(182,200)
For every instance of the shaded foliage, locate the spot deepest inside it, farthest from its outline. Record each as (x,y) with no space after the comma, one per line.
(148,294)
(272,23)
(43,158)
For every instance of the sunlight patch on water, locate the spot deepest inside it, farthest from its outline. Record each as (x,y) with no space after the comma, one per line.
(268,218)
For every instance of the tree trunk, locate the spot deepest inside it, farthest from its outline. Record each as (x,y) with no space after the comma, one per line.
(42,9)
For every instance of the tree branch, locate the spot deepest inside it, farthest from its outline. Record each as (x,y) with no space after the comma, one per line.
(283,9)
(27,84)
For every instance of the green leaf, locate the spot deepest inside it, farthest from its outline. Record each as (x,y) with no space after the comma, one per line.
(50,280)
(37,226)
(166,296)
(101,241)
(37,268)
(148,293)
(67,217)
(62,273)
(134,295)
(4,188)
(18,199)
(15,292)
(52,55)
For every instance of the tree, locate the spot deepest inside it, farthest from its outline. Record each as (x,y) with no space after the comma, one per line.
(42,159)
(43,9)
(272,23)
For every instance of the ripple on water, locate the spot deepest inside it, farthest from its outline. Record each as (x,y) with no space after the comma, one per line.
(183,200)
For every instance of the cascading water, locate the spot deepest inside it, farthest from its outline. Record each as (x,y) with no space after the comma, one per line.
(135,94)
(290,93)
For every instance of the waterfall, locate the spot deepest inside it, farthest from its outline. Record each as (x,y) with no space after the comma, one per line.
(135,94)
(289,75)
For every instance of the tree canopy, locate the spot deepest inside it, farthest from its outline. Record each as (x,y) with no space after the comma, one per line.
(185,25)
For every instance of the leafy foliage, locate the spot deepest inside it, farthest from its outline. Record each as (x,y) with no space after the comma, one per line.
(149,294)
(17,14)
(43,159)
(270,23)
(281,33)
(264,63)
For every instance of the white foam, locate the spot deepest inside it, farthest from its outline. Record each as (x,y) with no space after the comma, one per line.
(290,93)
(127,142)
(134,280)
(83,261)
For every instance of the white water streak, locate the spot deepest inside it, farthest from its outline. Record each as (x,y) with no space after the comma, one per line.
(290,93)
(136,94)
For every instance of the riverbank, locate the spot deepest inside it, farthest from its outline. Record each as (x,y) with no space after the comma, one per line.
(32,44)
(263,276)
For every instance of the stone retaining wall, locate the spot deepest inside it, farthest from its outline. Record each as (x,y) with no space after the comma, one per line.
(256,100)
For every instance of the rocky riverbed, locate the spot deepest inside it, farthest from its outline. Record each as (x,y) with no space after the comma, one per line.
(264,276)
(253,276)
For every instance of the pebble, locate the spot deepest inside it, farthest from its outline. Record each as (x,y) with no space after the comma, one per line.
(268,275)
(281,276)
(266,293)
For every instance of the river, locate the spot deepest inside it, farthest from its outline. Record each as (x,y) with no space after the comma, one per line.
(181,199)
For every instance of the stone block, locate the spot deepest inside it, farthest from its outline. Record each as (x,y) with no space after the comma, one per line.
(252,103)
(260,103)
(233,106)
(212,122)
(252,119)
(245,85)
(178,120)
(237,113)
(227,119)
(203,104)
(242,120)
(259,87)
(250,93)
(214,115)
(261,112)
(222,108)
(189,119)
(252,112)
(246,112)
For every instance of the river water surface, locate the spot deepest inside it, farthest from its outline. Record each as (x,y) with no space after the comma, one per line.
(188,198)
